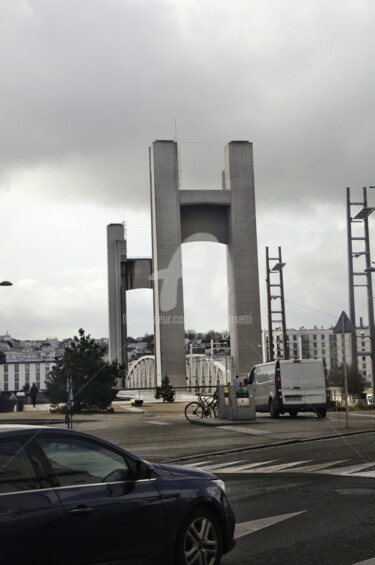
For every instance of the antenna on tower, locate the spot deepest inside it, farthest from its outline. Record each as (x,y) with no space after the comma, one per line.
(175,129)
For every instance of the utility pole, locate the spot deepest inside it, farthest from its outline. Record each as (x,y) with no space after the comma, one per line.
(276,270)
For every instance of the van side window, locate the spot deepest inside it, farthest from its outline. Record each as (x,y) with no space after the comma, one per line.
(264,375)
(252,376)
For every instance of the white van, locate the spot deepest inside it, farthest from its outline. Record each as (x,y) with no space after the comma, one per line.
(290,386)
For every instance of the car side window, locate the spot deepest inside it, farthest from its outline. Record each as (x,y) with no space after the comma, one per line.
(16,470)
(79,462)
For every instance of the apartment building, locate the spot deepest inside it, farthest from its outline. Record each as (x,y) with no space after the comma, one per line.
(321,343)
(30,361)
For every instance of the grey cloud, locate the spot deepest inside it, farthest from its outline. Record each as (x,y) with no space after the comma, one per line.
(85,87)
(95,86)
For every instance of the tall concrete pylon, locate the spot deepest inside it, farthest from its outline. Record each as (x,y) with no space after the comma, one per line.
(228,216)
(123,274)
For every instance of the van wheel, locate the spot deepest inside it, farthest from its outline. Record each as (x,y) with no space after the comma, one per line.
(274,412)
(293,413)
(322,412)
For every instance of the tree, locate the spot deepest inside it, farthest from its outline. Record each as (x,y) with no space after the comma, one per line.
(165,391)
(191,334)
(355,378)
(93,379)
(211,334)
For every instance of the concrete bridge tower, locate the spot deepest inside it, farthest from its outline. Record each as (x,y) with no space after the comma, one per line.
(226,216)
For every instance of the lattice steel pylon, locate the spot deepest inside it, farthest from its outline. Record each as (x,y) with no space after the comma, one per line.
(276,270)
(361,218)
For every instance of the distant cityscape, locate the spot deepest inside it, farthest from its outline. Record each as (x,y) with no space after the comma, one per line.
(29,361)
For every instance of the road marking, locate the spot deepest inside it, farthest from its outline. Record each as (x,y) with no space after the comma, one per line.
(328,468)
(220,465)
(245,528)
(348,470)
(316,467)
(157,423)
(241,468)
(367,562)
(242,430)
(199,464)
(369,474)
(132,409)
(279,468)
(353,415)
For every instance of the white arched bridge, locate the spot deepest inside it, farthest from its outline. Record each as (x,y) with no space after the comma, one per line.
(201,370)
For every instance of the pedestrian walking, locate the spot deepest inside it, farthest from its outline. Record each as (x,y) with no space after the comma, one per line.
(13,399)
(33,394)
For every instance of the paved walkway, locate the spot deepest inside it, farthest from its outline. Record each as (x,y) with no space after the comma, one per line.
(157,430)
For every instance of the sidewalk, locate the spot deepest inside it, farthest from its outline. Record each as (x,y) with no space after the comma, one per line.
(305,426)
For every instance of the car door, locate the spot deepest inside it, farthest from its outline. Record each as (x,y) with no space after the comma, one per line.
(32,519)
(112,516)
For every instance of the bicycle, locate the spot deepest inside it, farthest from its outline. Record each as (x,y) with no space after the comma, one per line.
(205,407)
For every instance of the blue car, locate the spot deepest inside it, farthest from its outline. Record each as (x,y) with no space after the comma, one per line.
(71,498)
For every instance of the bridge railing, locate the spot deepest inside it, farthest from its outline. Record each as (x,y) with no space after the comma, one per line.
(201,371)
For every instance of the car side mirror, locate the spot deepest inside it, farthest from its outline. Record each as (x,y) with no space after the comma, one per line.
(144,470)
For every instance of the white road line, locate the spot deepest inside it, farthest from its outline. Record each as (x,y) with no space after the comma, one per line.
(279,468)
(316,467)
(348,470)
(241,468)
(157,423)
(367,562)
(245,528)
(354,415)
(221,465)
(369,474)
(199,464)
(251,431)
(329,468)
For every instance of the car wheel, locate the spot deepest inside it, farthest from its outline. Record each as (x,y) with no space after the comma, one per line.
(199,541)
(293,413)
(322,412)
(274,412)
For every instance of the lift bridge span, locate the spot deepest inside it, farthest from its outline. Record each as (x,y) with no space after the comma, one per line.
(201,371)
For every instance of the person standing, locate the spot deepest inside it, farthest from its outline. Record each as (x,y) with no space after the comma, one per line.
(33,393)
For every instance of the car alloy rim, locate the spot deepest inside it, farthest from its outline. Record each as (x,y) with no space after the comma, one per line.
(201,544)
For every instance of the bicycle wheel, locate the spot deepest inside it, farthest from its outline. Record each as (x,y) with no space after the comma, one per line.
(193,411)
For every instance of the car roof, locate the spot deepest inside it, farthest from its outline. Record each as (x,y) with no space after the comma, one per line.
(5,428)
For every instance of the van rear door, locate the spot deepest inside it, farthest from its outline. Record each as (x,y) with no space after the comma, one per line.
(292,385)
(314,382)
(303,383)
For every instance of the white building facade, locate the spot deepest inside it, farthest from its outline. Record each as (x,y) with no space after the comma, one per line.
(322,343)
(15,374)
(29,362)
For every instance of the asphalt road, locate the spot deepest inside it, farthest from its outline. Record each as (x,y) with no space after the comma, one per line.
(303,489)
(298,498)
(306,504)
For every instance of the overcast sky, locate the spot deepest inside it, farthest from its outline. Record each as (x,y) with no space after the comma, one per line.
(87,85)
